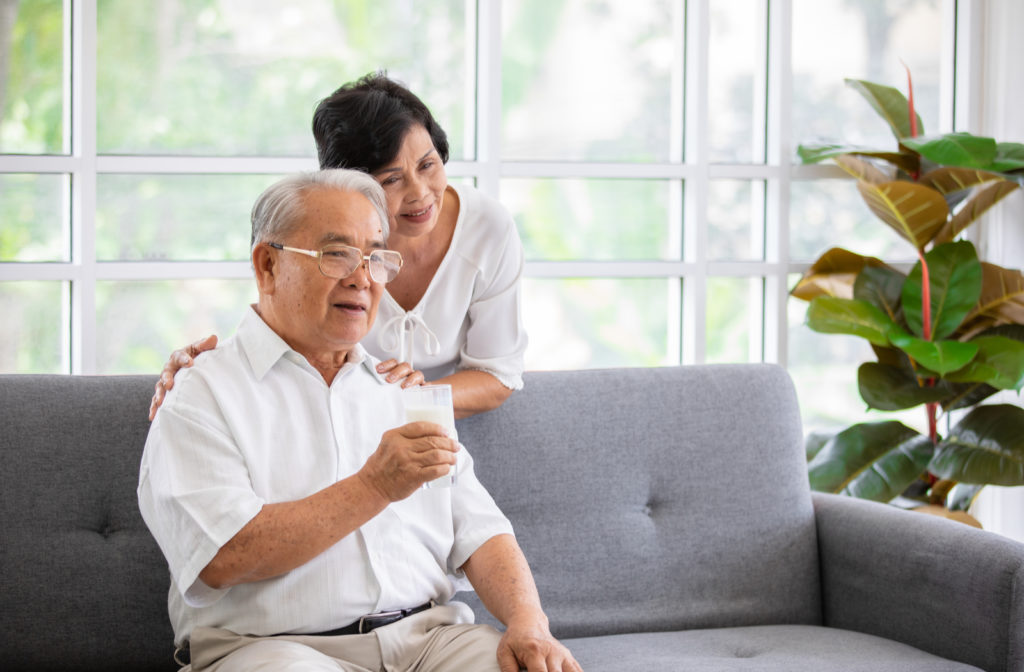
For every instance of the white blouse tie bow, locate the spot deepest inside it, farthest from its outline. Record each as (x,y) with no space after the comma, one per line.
(393,336)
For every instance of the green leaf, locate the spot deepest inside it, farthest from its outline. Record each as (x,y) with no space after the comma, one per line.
(818,153)
(999,363)
(832,315)
(890,388)
(955,277)
(814,442)
(882,287)
(966,395)
(955,149)
(877,460)
(1009,157)
(908,162)
(941,357)
(986,446)
(890,104)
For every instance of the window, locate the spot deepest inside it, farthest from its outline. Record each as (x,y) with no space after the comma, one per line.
(645,149)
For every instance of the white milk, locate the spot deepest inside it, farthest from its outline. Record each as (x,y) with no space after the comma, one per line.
(441,415)
(444,416)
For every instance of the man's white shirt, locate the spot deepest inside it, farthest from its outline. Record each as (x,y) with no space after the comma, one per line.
(252,423)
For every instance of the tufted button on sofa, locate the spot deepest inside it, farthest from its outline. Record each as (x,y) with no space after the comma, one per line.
(665,512)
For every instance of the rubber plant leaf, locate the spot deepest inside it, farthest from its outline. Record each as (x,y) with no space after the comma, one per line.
(966,395)
(955,279)
(810,154)
(880,286)
(833,274)
(833,315)
(999,363)
(890,103)
(814,442)
(942,357)
(962,495)
(985,447)
(892,388)
(908,162)
(949,179)
(862,169)
(913,211)
(1009,157)
(877,460)
(1001,301)
(968,213)
(954,149)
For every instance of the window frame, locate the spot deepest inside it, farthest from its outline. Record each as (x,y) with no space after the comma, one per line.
(963,27)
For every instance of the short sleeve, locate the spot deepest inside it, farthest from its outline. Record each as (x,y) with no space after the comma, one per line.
(476,518)
(496,339)
(194,489)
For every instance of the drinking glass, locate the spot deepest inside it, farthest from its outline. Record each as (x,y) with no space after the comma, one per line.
(432,403)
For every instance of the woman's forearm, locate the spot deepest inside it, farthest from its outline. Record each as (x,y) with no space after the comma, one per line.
(475,392)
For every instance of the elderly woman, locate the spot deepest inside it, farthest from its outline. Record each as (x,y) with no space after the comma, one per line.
(453,312)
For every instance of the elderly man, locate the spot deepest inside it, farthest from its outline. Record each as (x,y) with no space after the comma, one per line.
(285,490)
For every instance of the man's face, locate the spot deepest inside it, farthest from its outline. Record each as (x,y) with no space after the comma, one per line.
(321,315)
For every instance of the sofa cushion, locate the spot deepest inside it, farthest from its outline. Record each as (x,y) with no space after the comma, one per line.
(700,518)
(84,585)
(774,648)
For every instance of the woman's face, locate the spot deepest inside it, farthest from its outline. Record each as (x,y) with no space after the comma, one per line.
(414,183)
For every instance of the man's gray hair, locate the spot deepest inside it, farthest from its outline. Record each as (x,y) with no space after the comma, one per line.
(280,205)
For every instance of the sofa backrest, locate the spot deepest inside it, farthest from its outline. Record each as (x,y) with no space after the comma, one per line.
(83,585)
(656,499)
(645,499)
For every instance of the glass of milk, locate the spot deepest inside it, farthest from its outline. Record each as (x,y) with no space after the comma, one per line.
(432,403)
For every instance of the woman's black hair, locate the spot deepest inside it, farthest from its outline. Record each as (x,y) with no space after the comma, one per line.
(363,123)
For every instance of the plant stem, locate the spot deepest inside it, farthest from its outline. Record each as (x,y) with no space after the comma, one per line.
(931,408)
(926,298)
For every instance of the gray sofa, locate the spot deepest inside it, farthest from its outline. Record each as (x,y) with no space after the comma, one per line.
(665,512)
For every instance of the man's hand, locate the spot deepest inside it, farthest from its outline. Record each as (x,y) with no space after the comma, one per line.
(527,644)
(179,359)
(407,457)
(400,372)
(503,582)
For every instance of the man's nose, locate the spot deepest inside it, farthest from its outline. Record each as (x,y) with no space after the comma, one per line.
(360,277)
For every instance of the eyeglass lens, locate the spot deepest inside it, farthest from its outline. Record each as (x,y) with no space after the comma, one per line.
(341,260)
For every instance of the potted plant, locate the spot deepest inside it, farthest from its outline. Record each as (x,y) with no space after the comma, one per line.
(946,336)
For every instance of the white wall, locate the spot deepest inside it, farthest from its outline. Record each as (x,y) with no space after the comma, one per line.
(1002,233)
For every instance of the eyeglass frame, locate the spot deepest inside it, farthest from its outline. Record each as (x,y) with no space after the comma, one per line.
(319,256)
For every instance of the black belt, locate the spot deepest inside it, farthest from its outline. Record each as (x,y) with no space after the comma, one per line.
(372,622)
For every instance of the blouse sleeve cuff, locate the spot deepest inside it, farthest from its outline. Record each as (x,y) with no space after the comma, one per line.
(513,381)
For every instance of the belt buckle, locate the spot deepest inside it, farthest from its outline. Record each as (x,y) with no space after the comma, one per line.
(374,621)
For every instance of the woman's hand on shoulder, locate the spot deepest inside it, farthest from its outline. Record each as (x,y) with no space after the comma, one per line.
(402,373)
(179,359)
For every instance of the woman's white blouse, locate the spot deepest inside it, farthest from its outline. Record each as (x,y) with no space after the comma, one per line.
(469,317)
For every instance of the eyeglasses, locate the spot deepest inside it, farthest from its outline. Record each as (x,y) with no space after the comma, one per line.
(340,261)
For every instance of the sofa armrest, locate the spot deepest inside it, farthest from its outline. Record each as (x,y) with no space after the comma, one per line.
(941,586)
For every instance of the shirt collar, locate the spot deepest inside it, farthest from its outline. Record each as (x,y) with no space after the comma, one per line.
(264,348)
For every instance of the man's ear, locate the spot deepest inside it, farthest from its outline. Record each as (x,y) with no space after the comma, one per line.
(264,263)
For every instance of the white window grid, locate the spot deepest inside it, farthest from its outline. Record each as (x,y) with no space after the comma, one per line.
(959,104)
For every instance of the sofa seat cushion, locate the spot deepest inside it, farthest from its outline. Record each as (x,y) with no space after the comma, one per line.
(766,648)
